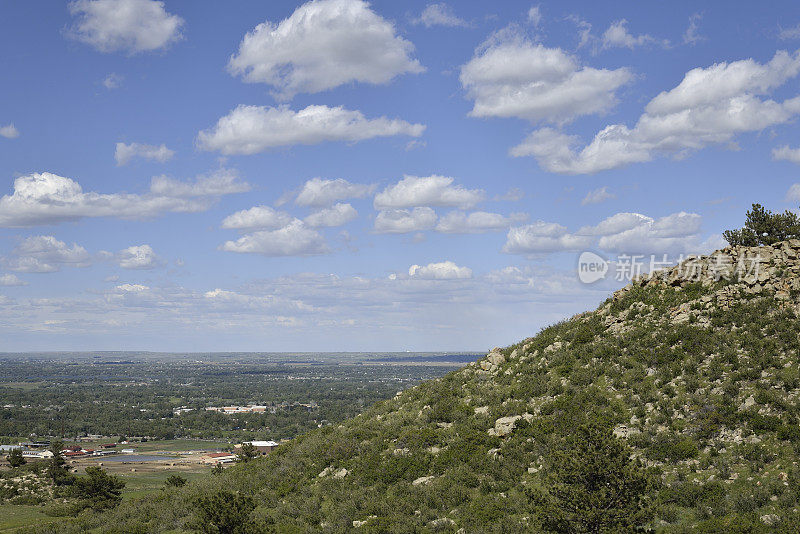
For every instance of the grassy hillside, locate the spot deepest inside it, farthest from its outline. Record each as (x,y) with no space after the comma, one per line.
(693,373)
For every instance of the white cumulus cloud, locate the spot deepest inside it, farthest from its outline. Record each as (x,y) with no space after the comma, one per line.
(257,217)
(253,129)
(672,234)
(543,237)
(336,215)
(124,25)
(46,198)
(446,270)
(318,192)
(615,224)
(124,153)
(323,44)
(623,233)
(511,77)
(397,221)
(710,106)
(432,190)
(294,239)
(137,257)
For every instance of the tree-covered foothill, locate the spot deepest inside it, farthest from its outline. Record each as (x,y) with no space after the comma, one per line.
(672,408)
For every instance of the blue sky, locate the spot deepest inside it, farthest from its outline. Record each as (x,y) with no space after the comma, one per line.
(341,176)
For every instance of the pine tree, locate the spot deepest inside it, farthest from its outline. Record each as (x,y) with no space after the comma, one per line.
(593,485)
(763,227)
(247,452)
(15,458)
(224,512)
(98,489)
(57,471)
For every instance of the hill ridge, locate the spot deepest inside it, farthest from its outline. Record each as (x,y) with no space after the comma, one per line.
(697,377)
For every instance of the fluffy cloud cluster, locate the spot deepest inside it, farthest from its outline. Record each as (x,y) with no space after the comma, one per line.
(46,198)
(440,14)
(124,25)
(294,239)
(318,192)
(710,106)
(511,77)
(407,207)
(124,153)
(622,233)
(280,234)
(46,254)
(323,44)
(446,270)
(253,129)
(9,131)
(432,190)
(674,233)
(137,257)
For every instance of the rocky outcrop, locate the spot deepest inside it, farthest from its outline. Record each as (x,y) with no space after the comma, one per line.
(735,270)
(772,268)
(505,425)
